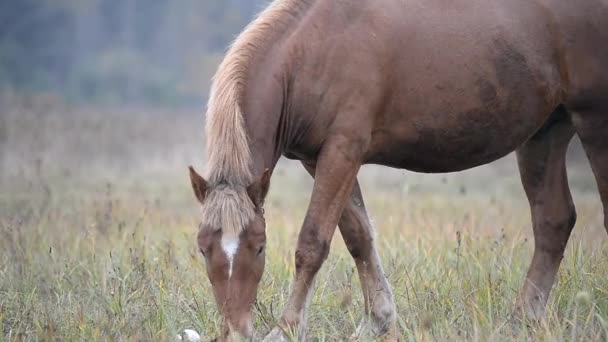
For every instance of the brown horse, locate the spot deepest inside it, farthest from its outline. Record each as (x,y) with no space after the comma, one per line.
(425,85)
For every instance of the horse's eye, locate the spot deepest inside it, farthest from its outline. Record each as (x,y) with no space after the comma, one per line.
(202,252)
(260,250)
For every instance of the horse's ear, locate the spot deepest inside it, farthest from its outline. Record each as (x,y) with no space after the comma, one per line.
(199,185)
(259,189)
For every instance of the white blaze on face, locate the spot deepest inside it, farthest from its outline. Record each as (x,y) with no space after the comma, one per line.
(230,247)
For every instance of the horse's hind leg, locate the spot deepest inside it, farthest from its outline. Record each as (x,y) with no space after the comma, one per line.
(542,166)
(358,234)
(592,128)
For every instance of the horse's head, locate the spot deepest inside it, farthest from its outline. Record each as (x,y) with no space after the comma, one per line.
(232,239)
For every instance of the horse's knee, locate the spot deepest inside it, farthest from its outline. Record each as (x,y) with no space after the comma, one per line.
(356,232)
(552,231)
(311,251)
(360,249)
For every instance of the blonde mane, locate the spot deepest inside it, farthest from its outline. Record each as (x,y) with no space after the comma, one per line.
(228,206)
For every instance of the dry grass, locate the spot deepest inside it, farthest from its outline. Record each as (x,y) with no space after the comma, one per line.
(97,227)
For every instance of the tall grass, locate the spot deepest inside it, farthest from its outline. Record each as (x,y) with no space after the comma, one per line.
(98,226)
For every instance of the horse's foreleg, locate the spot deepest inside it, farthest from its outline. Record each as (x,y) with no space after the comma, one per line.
(337,166)
(543,173)
(358,235)
(592,128)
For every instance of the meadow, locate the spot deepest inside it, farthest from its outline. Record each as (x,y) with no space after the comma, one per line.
(98,225)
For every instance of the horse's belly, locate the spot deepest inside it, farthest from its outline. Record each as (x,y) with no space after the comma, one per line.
(452,142)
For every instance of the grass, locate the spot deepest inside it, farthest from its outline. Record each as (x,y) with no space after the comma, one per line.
(98,226)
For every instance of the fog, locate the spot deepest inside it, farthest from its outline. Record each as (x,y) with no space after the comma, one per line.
(157,52)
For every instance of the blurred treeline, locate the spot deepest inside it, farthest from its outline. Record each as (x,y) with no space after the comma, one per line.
(158,52)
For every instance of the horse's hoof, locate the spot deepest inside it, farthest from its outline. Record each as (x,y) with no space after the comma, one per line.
(366,332)
(276,335)
(529,318)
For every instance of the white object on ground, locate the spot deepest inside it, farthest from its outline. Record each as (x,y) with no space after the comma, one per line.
(276,335)
(189,335)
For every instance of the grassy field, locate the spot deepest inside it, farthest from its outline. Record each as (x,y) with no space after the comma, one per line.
(98,226)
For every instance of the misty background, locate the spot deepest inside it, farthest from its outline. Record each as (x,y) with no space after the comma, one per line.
(157,52)
(97,89)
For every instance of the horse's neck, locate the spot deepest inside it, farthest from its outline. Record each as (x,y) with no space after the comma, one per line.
(267,121)
(262,117)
